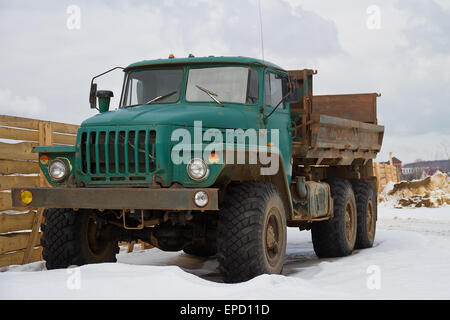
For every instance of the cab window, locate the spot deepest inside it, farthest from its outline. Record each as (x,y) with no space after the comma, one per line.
(273,90)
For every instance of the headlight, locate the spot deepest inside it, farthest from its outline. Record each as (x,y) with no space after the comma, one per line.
(58,169)
(198,169)
(201,198)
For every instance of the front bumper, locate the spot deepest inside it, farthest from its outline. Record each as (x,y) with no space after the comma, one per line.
(116,198)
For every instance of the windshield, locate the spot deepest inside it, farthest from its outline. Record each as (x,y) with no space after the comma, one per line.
(152,86)
(226,84)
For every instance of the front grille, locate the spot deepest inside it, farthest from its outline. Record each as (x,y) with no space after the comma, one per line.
(117,155)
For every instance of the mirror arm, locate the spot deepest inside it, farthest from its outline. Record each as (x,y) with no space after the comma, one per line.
(99,75)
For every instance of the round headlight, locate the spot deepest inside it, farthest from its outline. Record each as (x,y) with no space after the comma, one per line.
(197,169)
(201,198)
(58,169)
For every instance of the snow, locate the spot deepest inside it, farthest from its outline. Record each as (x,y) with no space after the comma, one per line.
(411,253)
(432,191)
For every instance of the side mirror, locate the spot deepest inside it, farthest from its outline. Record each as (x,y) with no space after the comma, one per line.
(104,98)
(92,94)
(289,91)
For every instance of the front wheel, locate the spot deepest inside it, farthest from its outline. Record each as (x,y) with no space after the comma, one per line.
(76,238)
(251,232)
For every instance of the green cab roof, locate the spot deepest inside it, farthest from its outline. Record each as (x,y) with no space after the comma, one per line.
(203,60)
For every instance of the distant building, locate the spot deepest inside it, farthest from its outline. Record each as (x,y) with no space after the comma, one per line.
(421,169)
(396,162)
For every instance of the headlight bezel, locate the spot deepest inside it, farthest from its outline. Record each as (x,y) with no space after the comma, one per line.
(65,165)
(196,161)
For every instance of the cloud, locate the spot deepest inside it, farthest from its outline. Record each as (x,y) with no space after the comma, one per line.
(20,106)
(428,25)
(56,64)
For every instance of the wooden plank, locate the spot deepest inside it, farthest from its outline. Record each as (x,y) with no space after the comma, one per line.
(5,202)
(7,182)
(130,246)
(18,151)
(33,238)
(376,167)
(26,123)
(17,257)
(18,134)
(23,167)
(145,245)
(16,222)
(65,127)
(64,139)
(15,241)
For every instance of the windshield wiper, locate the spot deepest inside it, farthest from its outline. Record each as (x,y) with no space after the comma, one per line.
(211,94)
(161,97)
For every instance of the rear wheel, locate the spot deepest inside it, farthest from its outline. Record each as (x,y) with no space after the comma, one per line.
(251,232)
(366,203)
(76,238)
(336,237)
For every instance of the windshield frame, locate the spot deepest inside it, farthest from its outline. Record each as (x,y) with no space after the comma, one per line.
(125,87)
(186,68)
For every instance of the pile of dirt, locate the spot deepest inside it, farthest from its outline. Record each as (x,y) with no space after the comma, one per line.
(431,192)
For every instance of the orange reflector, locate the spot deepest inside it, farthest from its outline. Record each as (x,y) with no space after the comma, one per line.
(26,197)
(171,56)
(214,158)
(44,159)
(270,144)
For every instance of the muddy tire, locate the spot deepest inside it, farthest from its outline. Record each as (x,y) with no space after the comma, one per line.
(366,204)
(75,238)
(251,232)
(336,237)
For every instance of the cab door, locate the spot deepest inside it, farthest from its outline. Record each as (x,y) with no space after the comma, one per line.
(279,118)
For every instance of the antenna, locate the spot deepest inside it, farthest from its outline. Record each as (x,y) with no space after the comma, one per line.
(261,29)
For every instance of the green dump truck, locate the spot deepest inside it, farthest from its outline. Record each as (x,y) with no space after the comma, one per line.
(215,156)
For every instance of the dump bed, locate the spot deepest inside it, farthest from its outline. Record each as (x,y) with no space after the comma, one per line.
(333,129)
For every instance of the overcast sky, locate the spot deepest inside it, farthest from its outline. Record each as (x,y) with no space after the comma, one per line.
(400,48)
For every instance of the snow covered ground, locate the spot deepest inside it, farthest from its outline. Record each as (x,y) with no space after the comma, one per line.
(410,260)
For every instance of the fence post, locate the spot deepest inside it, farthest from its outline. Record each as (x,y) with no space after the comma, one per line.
(45,138)
(376,167)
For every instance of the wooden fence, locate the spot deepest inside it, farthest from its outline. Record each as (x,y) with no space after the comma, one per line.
(385,173)
(19,231)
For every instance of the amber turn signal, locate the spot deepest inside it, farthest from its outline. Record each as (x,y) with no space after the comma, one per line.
(213,158)
(44,159)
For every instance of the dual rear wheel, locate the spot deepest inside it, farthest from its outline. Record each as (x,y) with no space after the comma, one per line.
(353,223)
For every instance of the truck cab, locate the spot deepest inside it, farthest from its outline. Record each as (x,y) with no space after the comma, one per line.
(215,156)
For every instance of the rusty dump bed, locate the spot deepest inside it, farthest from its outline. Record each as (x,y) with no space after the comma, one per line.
(333,129)
(360,107)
